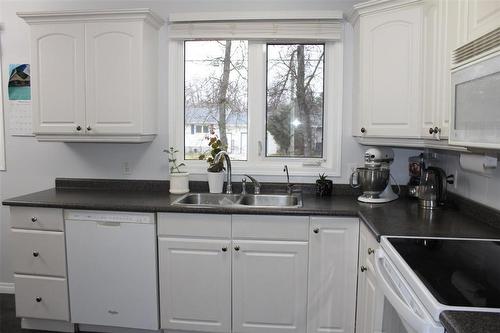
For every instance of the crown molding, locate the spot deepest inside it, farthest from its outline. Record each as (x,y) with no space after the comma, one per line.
(143,14)
(375,6)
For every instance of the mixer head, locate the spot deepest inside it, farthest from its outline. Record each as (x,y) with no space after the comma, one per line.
(379,157)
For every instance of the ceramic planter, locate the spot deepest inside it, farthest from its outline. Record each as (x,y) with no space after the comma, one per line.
(215,181)
(179,182)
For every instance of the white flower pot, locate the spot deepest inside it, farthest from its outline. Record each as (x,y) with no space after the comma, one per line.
(215,181)
(179,182)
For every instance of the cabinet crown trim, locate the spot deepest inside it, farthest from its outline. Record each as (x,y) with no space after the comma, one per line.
(374,6)
(145,14)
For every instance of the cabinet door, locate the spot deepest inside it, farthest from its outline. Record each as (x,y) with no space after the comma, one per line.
(195,284)
(58,80)
(431,64)
(369,299)
(333,259)
(269,286)
(484,16)
(114,73)
(390,72)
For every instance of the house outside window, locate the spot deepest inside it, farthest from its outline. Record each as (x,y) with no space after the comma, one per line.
(271,101)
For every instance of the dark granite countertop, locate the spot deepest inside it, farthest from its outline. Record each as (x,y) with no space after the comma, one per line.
(470,322)
(403,217)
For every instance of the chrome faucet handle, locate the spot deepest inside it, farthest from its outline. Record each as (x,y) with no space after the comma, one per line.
(256,184)
(244,186)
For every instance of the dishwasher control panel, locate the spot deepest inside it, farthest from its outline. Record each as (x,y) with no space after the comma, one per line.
(104,216)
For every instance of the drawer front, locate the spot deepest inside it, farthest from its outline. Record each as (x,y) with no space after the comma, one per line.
(41,297)
(194,225)
(38,252)
(271,227)
(36,218)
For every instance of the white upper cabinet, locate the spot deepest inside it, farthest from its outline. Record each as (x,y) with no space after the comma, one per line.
(113,77)
(389,43)
(484,16)
(58,87)
(94,75)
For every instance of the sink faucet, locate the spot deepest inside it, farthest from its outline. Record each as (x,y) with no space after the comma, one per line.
(256,184)
(289,187)
(229,186)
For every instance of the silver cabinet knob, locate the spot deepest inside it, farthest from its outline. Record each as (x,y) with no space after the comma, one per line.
(363,130)
(431,130)
(89,128)
(363,269)
(36,254)
(236,248)
(224,249)
(316,230)
(371,251)
(78,128)
(38,299)
(34,219)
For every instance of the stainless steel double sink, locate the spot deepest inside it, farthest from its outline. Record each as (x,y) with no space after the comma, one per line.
(240,200)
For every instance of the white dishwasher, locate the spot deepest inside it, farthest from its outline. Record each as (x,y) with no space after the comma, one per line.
(112,271)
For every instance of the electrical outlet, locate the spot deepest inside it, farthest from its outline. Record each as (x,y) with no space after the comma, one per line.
(126,169)
(352,167)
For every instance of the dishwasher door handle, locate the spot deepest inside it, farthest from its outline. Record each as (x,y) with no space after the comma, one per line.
(108,224)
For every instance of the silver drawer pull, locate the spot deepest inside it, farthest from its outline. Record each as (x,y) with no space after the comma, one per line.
(371,251)
(36,253)
(34,219)
(38,299)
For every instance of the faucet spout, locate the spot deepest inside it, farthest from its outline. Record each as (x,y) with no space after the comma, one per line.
(289,187)
(229,186)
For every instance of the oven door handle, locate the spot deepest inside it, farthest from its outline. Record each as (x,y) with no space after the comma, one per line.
(421,324)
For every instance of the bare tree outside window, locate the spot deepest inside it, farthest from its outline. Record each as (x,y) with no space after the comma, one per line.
(294,125)
(215,97)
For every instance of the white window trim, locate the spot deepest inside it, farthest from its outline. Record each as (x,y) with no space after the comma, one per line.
(261,165)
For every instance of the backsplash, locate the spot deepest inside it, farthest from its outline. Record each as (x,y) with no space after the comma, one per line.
(484,189)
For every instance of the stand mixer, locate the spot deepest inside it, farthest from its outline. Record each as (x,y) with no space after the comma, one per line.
(374,177)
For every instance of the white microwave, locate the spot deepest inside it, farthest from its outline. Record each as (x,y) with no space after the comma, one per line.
(475,103)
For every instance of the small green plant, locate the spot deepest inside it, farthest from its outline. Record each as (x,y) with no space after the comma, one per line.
(322,177)
(172,160)
(215,146)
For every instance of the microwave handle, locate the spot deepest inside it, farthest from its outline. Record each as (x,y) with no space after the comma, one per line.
(419,324)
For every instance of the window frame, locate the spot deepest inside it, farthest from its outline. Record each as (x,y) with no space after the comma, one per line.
(257,163)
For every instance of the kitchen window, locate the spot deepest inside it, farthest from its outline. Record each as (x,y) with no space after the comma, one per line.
(271,101)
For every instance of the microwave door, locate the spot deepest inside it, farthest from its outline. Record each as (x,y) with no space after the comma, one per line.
(475,104)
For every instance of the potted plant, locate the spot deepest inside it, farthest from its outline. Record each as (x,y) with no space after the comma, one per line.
(324,187)
(215,170)
(179,180)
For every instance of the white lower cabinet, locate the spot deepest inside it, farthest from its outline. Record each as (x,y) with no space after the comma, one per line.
(269,286)
(333,249)
(370,299)
(195,284)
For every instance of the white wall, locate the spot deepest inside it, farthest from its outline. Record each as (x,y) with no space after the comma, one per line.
(32,166)
(478,187)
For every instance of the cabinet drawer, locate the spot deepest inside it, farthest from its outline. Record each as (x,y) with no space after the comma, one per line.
(36,218)
(271,227)
(194,225)
(41,297)
(38,252)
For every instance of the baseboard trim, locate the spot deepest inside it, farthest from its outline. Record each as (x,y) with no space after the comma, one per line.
(6,288)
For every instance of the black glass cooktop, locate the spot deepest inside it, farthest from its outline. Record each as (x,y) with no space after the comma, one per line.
(456,272)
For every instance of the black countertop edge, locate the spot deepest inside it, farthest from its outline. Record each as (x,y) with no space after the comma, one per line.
(183,209)
(470,321)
